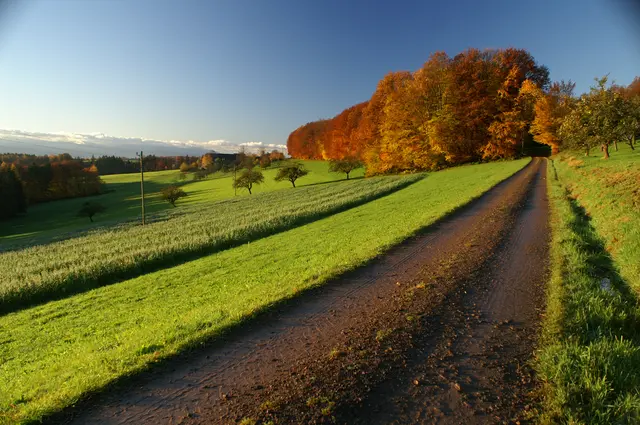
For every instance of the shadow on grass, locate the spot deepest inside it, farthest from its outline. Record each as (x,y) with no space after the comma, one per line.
(247,324)
(84,282)
(615,314)
(63,213)
(590,369)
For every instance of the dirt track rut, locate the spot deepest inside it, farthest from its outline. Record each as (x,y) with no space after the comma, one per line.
(474,283)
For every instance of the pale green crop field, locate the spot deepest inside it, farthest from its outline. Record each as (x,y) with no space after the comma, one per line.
(58,269)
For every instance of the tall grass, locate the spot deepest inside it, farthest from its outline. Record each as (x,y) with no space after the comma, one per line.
(589,361)
(48,271)
(53,354)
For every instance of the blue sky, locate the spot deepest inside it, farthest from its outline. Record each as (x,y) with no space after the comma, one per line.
(252,71)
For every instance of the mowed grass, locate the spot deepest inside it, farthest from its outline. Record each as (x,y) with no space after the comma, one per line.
(57,220)
(589,361)
(78,264)
(54,354)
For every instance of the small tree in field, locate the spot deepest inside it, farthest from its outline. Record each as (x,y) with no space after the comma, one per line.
(90,209)
(247,179)
(291,172)
(346,165)
(172,193)
(199,175)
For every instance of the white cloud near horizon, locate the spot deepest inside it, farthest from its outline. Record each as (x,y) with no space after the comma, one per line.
(81,144)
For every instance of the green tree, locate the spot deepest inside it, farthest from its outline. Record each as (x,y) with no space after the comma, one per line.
(247,179)
(629,125)
(172,193)
(346,165)
(199,175)
(11,194)
(291,172)
(90,209)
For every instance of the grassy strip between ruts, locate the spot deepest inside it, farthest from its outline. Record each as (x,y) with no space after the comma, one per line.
(54,354)
(60,269)
(589,361)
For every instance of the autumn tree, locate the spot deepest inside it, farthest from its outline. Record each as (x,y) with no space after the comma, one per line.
(550,109)
(172,193)
(265,161)
(634,88)
(346,165)
(276,155)
(90,209)
(291,173)
(184,167)
(206,160)
(248,178)
(451,111)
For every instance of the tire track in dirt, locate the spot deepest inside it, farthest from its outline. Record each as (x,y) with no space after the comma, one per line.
(284,355)
(473,367)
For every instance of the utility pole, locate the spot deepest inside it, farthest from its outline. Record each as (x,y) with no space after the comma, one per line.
(142,184)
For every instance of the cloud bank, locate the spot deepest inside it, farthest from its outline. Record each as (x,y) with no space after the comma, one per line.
(85,145)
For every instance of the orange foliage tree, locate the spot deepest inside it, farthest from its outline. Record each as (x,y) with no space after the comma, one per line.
(450,111)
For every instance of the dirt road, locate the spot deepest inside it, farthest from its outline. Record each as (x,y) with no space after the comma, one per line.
(437,330)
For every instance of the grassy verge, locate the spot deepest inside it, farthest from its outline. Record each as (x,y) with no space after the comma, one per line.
(56,270)
(54,354)
(589,362)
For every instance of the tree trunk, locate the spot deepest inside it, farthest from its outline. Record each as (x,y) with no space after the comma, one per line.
(347,176)
(293,182)
(605,149)
(587,151)
(615,144)
(631,142)
(91,218)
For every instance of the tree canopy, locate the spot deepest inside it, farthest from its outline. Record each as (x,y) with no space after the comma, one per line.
(172,193)
(90,209)
(453,110)
(291,172)
(248,178)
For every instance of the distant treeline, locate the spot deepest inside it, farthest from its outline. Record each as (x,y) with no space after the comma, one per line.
(30,179)
(22,185)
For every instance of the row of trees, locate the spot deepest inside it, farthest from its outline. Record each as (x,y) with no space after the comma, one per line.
(608,114)
(476,105)
(292,172)
(22,185)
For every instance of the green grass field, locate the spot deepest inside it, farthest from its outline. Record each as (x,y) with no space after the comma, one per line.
(57,220)
(54,354)
(589,360)
(55,270)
